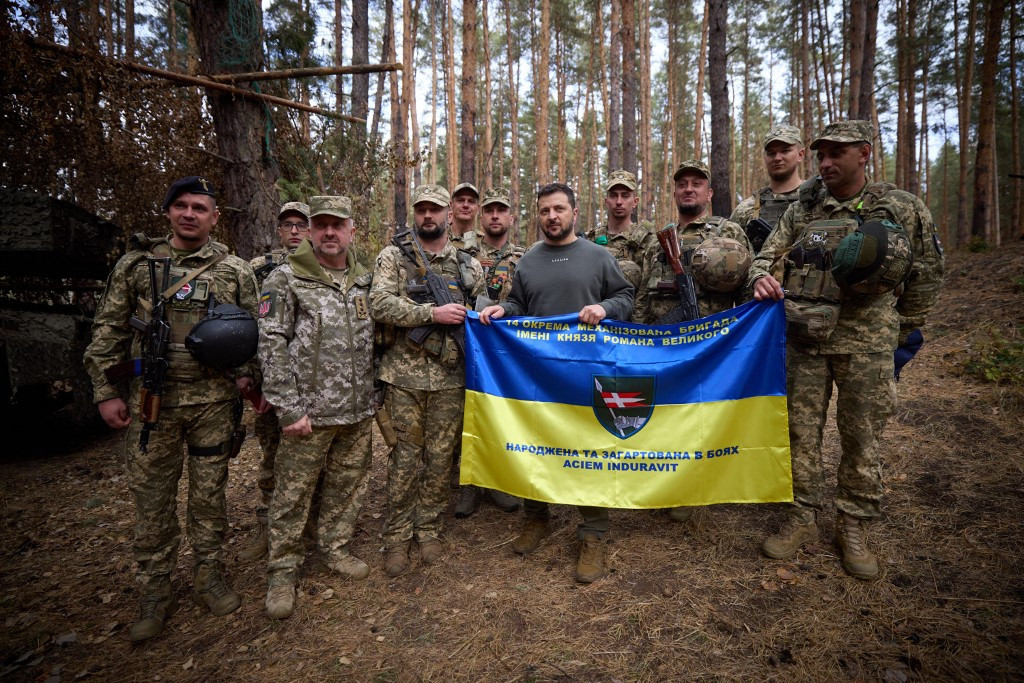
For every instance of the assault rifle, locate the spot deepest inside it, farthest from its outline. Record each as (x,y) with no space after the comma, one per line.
(757,231)
(684,286)
(433,290)
(156,336)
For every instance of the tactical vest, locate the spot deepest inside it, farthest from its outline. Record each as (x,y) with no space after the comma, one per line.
(186,305)
(813,297)
(768,207)
(436,344)
(497,273)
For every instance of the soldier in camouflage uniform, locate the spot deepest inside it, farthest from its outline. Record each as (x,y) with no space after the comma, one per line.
(198,405)
(425,383)
(316,348)
(783,154)
(624,240)
(465,208)
(854,350)
(498,256)
(657,294)
(292,228)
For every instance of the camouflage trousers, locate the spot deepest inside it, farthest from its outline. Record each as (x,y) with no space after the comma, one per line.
(428,424)
(341,455)
(866,398)
(205,430)
(268,433)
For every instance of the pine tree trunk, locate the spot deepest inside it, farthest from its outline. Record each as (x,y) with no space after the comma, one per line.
(248,196)
(432,175)
(615,89)
(964,230)
(855,41)
(467,157)
(360,105)
(410,29)
(603,69)
(543,95)
(398,127)
(1017,207)
(698,117)
(339,37)
(985,220)
(488,179)
(867,71)
(560,85)
(629,85)
(512,92)
(451,125)
(647,130)
(721,201)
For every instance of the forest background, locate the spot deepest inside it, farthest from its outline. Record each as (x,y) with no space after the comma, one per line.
(102,106)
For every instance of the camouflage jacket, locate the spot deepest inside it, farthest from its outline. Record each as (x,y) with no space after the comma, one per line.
(128,294)
(467,241)
(743,213)
(657,294)
(390,305)
(260,263)
(316,341)
(499,265)
(627,247)
(868,324)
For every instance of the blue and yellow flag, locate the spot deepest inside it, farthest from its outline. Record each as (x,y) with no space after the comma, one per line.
(630,416)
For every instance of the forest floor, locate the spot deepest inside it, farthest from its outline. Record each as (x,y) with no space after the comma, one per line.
(682,602)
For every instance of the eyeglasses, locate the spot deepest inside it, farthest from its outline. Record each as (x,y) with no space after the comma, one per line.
(301,227)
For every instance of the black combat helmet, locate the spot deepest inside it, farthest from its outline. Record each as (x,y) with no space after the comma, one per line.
(226,338)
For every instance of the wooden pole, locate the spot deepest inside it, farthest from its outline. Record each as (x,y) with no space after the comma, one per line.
(305,72)
(193,80)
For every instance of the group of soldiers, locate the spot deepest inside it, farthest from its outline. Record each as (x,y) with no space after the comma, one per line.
(338,344)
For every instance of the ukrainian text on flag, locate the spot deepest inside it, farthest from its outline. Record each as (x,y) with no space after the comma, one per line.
(630,416)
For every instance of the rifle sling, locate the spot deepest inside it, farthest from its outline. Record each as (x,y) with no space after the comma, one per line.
(166,295)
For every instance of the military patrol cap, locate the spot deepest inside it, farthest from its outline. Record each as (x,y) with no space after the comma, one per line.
(192,184)
(694,165)
(497,195)
(329,205)
(297,207)
(852,130)
(466,186)
(620,177)
(791,135)
(435,194)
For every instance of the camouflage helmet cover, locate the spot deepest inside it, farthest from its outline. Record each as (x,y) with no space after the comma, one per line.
(720,264)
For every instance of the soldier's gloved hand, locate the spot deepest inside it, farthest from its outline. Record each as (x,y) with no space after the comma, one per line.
(907,350)
(449,314)
(300,428)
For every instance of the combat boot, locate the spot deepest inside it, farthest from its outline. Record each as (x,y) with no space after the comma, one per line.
(351,567)
(502,500)
(590,566)
(798,529)
(534,531)
(681,514)
(851,539)
(469,498)
(258,549)
(280,601)
(430,551)
(397,559)
(212,591)
(154,610)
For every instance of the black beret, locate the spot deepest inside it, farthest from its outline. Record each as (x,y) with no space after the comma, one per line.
(192,184)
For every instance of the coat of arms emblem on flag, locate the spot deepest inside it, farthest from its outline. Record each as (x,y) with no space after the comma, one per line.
(623,405)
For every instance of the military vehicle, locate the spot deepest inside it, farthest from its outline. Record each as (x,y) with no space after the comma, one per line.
(54,260)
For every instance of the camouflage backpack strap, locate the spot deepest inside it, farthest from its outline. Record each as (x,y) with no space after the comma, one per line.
(757,205)
(715,223)
(873,193)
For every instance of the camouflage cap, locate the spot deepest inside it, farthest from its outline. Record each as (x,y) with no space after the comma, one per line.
(297,207)
(692,165)
(435,194)
(497,195)
(791,135)
(330,205)
(466,186)
(851,130)
(192,184)
(620,177)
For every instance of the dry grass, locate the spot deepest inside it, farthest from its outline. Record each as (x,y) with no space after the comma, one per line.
(693,602)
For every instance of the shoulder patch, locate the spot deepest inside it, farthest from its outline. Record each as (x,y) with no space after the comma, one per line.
(266,306)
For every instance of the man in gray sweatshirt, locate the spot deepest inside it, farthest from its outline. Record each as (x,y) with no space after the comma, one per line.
(562,275)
